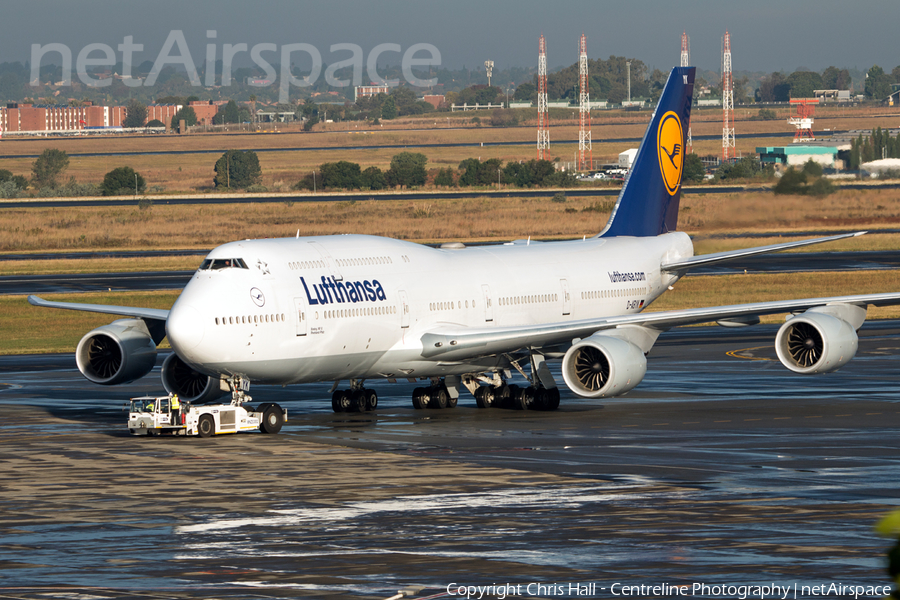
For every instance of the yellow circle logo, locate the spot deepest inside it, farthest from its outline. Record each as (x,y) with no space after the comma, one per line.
(670,147)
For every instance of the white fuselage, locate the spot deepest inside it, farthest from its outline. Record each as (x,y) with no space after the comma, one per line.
(297,310)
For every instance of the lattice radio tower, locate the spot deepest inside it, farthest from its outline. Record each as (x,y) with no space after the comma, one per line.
(543,137)
(585,152)
(727,103)
(686,62)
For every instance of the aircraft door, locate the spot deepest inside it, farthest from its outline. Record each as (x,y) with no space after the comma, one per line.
(332,264)
(566,299)
(301,313)
(404,309)
(488,303)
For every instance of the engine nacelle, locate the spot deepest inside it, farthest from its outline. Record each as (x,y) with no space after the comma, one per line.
(119,352)
(816,342)
(179,378)
(601,365)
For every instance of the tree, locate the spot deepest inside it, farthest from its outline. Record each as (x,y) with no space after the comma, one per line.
(341,174)
(372,179)
(48,167)
(774,88)
(135,114)
(739,88)
(237,169)
(407,168)
(792,182)
(878,83)
(830,77)
(187,115)
(804,83)
(389,109)
(17,180)
(693,169)
(444,178)
(155,123)
(121,181)
(468,170)
(527,92)
(228,114)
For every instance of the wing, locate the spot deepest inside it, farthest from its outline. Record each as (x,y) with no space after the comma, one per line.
(154,314)
(450,343)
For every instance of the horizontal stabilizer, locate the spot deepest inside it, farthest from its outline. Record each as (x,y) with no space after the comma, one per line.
(717,257)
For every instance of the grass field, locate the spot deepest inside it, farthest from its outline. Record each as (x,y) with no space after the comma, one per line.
(705,216)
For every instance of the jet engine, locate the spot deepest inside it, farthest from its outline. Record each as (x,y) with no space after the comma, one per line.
(179,378)
(119,352)
(601,365)
(816,342)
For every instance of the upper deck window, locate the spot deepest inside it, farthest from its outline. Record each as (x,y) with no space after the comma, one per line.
(215,264)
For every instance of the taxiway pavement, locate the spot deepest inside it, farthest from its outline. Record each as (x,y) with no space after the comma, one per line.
(722,467)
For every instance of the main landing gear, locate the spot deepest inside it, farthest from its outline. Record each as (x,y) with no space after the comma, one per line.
(513,396)
(356,399)
(437,395)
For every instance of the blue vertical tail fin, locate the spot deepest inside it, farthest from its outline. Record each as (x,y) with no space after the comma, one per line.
(648,203)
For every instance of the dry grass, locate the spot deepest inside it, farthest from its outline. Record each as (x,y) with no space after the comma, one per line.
(478,219)
(696,292)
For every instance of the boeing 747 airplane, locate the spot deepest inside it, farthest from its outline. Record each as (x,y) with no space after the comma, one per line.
(355,308)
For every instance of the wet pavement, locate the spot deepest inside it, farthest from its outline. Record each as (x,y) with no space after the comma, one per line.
(722,467)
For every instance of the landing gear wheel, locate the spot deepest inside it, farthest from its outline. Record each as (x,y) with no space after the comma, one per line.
(420,398)
(440,397)
(371,400)
(553,399)
(524,399)
(510,399)
(489,399)
(340,401)
(451,401)
(358,401)
(479,397)
(541,399)
(273,420)
(206,426)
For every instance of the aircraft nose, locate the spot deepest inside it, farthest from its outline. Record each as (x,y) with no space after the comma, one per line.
(184,327)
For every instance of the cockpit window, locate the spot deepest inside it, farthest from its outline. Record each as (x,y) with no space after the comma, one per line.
(215,264)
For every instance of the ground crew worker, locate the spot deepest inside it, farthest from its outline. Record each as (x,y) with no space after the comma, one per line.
(176,410)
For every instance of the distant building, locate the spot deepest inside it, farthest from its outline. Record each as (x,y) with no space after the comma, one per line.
(51,118)
(799,155)
(363,91)
(436,100)
(162,112)
(877,168)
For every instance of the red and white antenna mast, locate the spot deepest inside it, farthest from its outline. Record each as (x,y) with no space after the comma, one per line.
(543,137)
(686,62)
(586,154)
(727,103)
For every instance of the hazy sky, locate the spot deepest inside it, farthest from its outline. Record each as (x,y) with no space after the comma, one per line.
(767,35)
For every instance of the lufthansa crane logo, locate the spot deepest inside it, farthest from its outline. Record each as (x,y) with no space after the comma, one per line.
(670,147)
(257,296)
